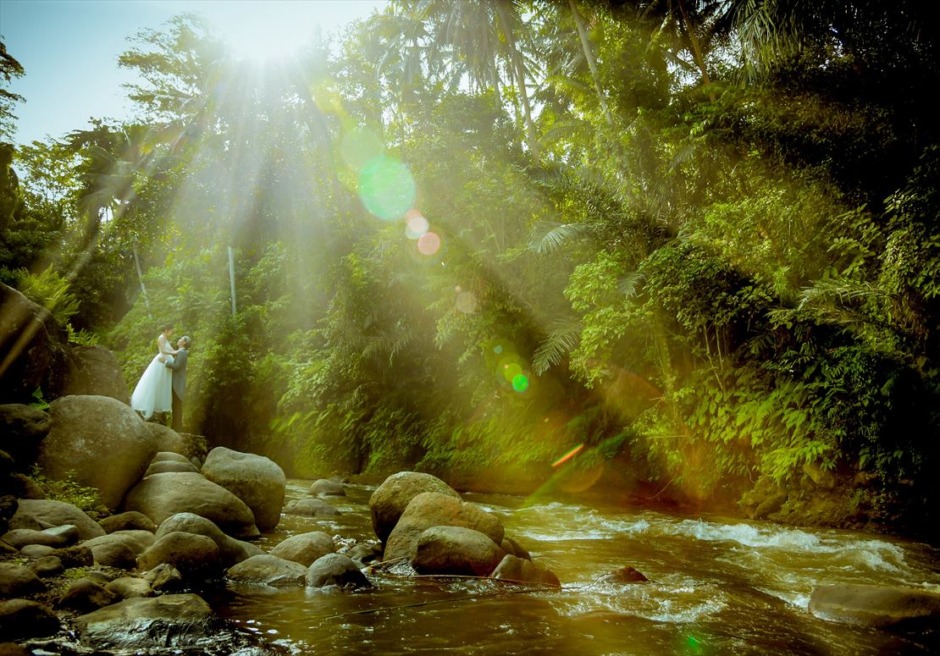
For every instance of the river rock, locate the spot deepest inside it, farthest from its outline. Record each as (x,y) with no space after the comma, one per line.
(85,595)
(623,575)
(267,569)
(40,514)
(23,618)
(126,587)
(305,547)
(876,605)
(126,521)
(47,566)
(521,570)
(51,537)
(310,508)
(98,442)
(195,556)
(161,495)
(434,509)
(231,551)
(120,549)
(256,480)
(456,550)
(148,623)
(18,580)
(390,499)
(336,569)
(326,487)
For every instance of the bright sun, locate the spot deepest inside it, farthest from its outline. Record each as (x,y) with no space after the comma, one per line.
(276,29)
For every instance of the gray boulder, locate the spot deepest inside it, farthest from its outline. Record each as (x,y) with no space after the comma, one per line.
(58,536)
(305,547)
(876,605)
(267,569)
(147,623)
(390,499)
(40,514)
(194,556)
(161,495)
(456,550)
(99,442)
(434,509)
(120,549)
(326,487)
(168,440)
(231,551)
(256,480)
(336,569)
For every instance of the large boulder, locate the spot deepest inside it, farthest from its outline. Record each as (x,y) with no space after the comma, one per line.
(434,509)
(22,428)
(99,442)
(18,580)
(390,499)
(305,547)
(267,569)
(194,556)
(231,551)
(256,480)
(167,439)
(456,550)
(41,514)
(160,496)
(336,569)
(876,605)
(148,623)
(34,349)
(94,370)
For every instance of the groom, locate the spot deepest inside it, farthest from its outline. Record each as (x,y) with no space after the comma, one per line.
(178,365)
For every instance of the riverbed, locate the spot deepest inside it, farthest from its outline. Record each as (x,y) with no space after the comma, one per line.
(716,586)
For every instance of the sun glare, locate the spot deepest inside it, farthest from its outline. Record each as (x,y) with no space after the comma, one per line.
(274,30)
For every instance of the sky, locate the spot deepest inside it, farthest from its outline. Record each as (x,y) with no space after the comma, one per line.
(69,48)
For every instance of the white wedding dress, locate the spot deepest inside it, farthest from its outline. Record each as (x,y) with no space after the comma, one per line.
(154,391)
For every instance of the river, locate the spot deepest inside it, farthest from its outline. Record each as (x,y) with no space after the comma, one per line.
(716,586)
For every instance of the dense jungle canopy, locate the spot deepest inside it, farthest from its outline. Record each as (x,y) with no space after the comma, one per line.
(694,243)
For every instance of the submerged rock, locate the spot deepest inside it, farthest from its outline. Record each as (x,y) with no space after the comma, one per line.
(876,605)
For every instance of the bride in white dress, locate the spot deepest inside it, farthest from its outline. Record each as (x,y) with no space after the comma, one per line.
(154,390)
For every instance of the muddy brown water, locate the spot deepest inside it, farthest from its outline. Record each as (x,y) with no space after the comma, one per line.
(717,586)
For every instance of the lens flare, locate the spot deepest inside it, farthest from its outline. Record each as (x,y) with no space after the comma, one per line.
(520,383)
(429,243)
(386,187)
(466,302)
(568,456)
(416,226)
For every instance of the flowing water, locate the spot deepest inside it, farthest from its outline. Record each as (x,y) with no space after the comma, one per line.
(716,586)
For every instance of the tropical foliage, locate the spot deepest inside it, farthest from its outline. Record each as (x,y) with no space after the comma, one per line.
(698,239)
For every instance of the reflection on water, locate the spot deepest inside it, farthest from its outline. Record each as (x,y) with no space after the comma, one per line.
(717,586)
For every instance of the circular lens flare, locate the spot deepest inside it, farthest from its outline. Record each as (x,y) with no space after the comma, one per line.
(429,243)
(386,187)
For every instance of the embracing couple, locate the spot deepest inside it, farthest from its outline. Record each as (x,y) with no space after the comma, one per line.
(163,384)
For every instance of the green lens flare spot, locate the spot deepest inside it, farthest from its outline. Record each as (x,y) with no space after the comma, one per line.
(520,382)
(386,188)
